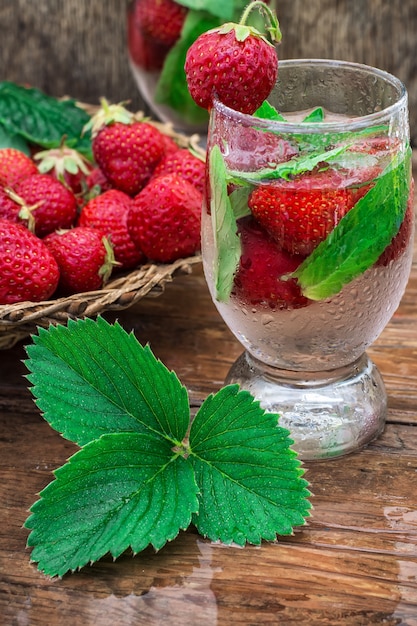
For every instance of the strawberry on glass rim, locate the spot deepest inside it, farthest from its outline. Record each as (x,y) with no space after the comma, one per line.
(236,63)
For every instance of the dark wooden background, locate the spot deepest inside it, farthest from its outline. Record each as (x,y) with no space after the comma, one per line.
(77,47)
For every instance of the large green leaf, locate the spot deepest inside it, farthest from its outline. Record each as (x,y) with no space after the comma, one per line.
(142,472)
(41,119)
(92,378)
(124,490)
(249,478)
(268,112)
(12,140)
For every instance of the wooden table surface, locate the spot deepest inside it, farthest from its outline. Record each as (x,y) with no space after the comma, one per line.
(354,563)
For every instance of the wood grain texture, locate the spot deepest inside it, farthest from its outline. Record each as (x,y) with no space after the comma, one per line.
(74,48)
(79,48)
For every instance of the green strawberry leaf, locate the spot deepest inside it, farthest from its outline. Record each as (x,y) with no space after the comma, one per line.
(235,445)
(11,140)
(41,119)
(143,472)
(360,237)
(89,381)
(227,246)
(112,495)
(172,89)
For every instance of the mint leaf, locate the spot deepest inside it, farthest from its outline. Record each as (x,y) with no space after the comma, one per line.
(227,246)
(267,112)
(316,115)
(239,201)
(360,237)
(91,378)
(249,478)
(143,472)
(288,169)
(110,496)
(41,119)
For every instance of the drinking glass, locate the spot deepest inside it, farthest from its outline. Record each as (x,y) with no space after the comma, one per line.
(307,237)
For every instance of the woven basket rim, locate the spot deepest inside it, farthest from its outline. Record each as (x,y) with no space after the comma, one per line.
(22,319)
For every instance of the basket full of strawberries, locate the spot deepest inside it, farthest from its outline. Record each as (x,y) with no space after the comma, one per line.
(99,207)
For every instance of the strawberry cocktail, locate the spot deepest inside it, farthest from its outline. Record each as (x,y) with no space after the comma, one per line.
(307,236)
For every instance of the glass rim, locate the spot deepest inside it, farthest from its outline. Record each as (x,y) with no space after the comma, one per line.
(353,123)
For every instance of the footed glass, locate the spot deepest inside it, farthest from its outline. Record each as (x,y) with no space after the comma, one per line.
(307,236)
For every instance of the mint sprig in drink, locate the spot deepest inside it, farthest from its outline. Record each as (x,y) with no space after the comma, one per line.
(307,244)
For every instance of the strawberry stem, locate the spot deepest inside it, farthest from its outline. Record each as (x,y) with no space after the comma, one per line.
(272,25)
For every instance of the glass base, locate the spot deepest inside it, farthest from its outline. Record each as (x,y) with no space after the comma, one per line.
(328,414)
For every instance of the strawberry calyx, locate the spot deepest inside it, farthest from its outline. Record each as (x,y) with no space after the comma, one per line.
(62,160)
(271,25)
(106,269)
(26,211)
(243,31)
(108,114)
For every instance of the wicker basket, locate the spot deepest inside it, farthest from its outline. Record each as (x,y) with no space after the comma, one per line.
(20,320)
(17,321)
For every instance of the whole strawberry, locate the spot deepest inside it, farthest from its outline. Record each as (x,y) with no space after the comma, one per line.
(28,271)
(263,264)
(234,63)
(160,20)
(185,164)
(84,258)
(126,150)
(300,213)
(14,166)
(108,213)
(165,219)
(46,204)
